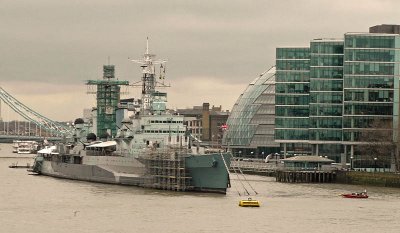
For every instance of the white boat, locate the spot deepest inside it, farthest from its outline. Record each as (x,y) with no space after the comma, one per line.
(15,146)
(25,147)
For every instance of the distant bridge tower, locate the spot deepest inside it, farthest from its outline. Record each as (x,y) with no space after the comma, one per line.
(108,93)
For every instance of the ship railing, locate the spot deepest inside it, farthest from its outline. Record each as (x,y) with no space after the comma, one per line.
(253,166)
(166,153)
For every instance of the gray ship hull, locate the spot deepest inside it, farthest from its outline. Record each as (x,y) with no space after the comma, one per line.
(205,173)
(91,173)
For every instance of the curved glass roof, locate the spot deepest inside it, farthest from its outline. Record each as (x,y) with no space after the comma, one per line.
(252,120)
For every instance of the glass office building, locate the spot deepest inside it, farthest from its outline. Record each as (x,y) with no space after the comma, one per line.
(371,86)
(292,100)
(252,120)
(326,97)
(330,94)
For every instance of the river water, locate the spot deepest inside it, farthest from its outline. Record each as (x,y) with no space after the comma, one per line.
(31,203)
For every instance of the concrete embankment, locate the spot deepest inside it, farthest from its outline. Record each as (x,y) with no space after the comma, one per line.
(384,179)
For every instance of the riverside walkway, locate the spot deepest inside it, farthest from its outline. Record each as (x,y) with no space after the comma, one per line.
(275,169)
(257,167)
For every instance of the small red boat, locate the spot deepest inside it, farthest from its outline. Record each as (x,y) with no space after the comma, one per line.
(355,195)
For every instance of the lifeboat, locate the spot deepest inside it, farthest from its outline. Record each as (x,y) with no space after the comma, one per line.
(355,195)
(249,203)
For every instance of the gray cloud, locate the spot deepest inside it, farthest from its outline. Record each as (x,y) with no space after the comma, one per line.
(64,43)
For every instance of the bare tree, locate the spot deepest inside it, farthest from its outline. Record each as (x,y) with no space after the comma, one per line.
(377,142)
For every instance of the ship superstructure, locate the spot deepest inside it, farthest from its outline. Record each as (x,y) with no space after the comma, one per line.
(107,91)
(152,100)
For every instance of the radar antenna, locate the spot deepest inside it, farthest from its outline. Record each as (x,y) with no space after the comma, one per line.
(149,81)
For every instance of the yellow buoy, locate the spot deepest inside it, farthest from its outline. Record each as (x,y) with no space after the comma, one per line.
(249,203)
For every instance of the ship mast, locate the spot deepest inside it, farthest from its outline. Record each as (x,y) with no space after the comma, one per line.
(149,81)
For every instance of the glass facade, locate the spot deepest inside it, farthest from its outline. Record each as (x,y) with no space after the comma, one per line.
(292,99)
(371,73)
(252,119)
(329,96)
(326,97)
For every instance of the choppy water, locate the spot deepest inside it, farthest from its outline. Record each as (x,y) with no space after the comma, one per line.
(30,203)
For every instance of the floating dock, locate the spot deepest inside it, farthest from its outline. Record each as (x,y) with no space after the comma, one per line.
(15,165)
(305,176)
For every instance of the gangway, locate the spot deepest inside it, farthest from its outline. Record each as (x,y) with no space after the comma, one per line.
(246,192)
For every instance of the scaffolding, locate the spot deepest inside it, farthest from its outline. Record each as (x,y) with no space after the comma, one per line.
(166,170)
(108,91)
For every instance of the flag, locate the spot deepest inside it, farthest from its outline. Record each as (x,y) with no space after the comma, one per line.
(224,127)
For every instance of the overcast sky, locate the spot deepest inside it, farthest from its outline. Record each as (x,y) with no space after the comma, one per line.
(48,48)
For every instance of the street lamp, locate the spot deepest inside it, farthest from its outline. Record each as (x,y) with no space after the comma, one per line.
(375,162)
(351,163)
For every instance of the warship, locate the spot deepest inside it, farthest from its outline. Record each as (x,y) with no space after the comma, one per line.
(151,149)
